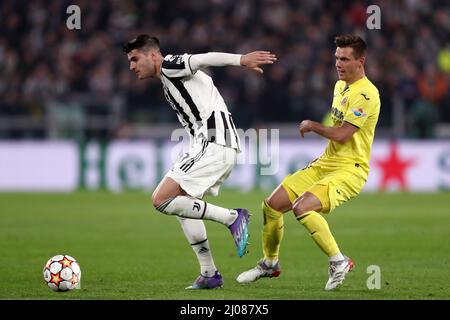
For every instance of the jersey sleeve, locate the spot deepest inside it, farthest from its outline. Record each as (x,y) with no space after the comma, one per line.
(214,59)
(176,66)
(359,108)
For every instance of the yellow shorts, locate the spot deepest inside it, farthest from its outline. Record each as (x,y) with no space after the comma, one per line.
(331,187)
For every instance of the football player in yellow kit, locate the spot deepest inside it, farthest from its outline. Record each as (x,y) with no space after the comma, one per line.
(332,179)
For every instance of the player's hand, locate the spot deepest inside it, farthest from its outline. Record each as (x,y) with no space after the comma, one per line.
(305,126)
(254,59)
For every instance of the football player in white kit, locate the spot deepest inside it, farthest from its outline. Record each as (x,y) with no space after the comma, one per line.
(214,144)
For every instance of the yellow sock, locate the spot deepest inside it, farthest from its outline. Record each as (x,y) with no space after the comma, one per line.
(272,232)
(320,232)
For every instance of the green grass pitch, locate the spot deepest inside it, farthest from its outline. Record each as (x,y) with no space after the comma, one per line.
(127,250)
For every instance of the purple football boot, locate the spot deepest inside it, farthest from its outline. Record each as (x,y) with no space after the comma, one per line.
(203,282)
(239,231)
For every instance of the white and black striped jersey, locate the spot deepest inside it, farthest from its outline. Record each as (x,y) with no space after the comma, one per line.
(199,106)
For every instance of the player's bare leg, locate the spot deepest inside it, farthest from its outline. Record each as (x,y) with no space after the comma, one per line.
(306,209)
(279,200)
(273,208)
(166,189)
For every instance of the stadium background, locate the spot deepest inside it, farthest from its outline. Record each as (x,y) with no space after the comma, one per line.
(83,143)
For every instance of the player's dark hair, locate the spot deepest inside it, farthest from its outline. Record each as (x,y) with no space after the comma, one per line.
(357,43)
(141,42)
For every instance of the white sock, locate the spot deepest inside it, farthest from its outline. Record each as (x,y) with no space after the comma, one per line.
(187,207)
(335,258)
(195,233)
(270,263)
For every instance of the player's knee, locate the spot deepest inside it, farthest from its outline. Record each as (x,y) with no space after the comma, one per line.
(299,208)
(158,200)
(305,203)
(155,199)
(271,203)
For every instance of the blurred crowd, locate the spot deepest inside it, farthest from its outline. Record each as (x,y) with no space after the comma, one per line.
(43,64)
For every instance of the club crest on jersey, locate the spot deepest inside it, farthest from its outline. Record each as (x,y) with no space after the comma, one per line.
(177,57)
(359,112)
(344,101)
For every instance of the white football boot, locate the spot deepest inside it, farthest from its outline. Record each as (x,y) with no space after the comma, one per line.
(337,271)
(260,271)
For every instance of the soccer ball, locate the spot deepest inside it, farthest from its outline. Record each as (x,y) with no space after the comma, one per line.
(62,273)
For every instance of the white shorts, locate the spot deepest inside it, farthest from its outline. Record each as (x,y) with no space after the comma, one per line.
(203,170)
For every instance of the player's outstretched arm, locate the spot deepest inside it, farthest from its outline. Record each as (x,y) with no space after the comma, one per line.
(252,60)
(339,134)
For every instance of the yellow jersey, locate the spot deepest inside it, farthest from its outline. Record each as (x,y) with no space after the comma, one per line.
(359,105)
